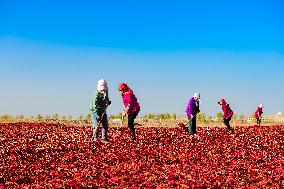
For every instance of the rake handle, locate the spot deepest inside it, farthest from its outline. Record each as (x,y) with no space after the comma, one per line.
(190,119)
(100,121)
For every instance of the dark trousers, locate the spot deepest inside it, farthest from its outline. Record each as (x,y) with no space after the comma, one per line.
(192,125)
(258,121)
(131,118)
(227,123)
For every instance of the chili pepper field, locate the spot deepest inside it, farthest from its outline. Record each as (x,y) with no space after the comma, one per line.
(42,155)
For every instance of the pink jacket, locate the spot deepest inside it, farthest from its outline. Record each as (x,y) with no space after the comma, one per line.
(129,100)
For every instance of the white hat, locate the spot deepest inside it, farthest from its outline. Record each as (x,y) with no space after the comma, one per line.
(102,85)
(196,96)
(261,106)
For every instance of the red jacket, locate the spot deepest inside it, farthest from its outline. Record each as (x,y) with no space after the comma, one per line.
(227,111)
(258,112)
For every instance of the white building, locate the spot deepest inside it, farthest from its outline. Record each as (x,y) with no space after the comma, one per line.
(278,117)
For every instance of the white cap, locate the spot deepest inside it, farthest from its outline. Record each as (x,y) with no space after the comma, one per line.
(261,106)
(196,96)
(102,85)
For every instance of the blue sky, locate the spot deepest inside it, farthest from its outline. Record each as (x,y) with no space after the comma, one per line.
(53,52)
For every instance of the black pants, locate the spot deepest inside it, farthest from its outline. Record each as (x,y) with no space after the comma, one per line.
(131,118)
(192,125)
(227,123)
(258,121)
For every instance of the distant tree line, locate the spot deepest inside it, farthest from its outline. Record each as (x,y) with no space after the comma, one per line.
(45,118)
(201,118)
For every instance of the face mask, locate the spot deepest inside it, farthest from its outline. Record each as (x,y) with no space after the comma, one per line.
(196,98)
(199,101)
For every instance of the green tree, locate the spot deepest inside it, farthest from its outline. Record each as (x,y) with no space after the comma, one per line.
(119,116)
(89,118)
(160,116)
(234,117)
(145,117)
(219,116)
(32,118)
(201,118)
(7,118)
(39,117)
(55,117)
(167,116)
(242,118)
(151,116)
(47,118)
(210,119)
(20,117)
(81,117)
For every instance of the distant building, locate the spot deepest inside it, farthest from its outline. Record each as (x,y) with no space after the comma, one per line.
(116,120)
(278,117)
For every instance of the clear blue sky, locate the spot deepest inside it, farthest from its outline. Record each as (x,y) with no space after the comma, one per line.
(53,52)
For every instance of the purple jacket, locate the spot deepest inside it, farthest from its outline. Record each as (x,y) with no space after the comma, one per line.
(192,107)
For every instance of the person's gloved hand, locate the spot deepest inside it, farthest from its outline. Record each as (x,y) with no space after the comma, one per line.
(127,111)
(98,119)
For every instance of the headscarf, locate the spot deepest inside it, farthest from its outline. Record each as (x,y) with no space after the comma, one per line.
(102,86)
(124,88)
